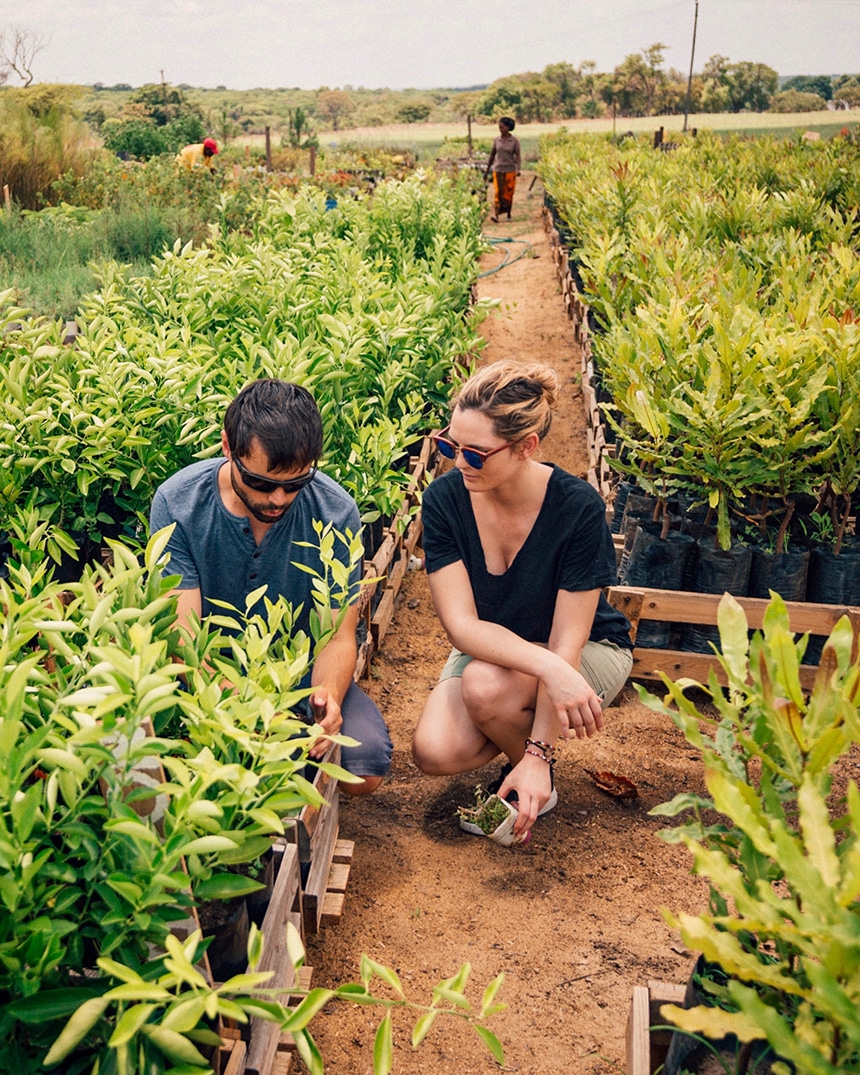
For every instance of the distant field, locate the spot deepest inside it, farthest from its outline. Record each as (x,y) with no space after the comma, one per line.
(427,139)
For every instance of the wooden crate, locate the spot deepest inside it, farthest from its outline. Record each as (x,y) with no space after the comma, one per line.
(680,606)
(646,1048)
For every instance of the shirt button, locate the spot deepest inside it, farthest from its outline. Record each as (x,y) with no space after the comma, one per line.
(253,575)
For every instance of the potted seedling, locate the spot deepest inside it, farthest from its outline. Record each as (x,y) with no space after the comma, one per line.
(491,816)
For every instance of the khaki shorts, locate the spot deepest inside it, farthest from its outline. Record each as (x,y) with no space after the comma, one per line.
(605,666)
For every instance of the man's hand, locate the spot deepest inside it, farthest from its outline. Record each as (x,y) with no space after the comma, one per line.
(327,714)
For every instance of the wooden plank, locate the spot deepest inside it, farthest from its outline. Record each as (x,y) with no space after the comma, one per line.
(589,399)
(367,592)
(232,1060)
(343,851)
(302,830)
(382,617)
(660,993)
(338,876)
(283,1062)
(313,894)
(679,664)
(682,606)
(417,467)
(413,534)
(265,1035)
(427,450)
(398,572)
(638,1038)
(383,556)
(331,910)
(633,607)
(363,658)
(646,1048)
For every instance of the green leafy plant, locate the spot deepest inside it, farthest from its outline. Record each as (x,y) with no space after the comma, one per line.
(723,292)
(94,842)
(369,311)
(781,856)
(164,1016)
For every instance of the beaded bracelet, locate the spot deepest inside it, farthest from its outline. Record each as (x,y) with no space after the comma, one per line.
(547,748)
(550,761)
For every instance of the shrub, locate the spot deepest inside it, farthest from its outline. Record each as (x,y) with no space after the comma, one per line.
(797,101)
(35,149)
(136,139)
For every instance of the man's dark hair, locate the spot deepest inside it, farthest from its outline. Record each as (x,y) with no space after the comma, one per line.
(283,417)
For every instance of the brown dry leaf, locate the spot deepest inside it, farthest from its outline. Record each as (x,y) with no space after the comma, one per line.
(615,784)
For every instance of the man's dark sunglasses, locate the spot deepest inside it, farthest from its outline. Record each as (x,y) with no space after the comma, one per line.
(473,457)
(269,485)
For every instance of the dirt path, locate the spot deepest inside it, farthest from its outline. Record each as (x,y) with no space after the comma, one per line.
(573,919)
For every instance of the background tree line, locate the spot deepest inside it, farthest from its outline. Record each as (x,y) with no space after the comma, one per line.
(160,118)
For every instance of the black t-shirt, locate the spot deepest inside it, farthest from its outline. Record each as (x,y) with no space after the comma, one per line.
(569,548)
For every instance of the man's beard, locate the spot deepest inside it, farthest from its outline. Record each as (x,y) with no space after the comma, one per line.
(257,508)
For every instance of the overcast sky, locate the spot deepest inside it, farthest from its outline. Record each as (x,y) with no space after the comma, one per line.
(402,43)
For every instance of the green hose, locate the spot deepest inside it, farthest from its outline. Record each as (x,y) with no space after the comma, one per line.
(507,259)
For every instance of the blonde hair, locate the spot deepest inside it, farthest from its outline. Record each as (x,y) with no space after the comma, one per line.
(518,399)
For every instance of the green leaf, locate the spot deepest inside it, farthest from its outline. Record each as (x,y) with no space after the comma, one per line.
(712,1022)
(130,1023)
(175,1047)
(50,1004)
(225,886)
(490,994)
(307,1049)
(422,1027)
(77,1028)
(383,1047)
(314,1002)
(370,967)
(493,1044)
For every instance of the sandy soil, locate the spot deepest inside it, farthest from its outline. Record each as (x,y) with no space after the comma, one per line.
(573,920)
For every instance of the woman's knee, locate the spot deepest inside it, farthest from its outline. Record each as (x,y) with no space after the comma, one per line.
(491,693)
(428,756)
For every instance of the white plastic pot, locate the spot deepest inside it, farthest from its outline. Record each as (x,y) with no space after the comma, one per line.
(504,833)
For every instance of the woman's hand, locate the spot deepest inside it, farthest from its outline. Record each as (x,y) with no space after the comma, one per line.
(576,704)
(530,780)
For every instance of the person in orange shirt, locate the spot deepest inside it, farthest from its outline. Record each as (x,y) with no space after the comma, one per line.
(199,153)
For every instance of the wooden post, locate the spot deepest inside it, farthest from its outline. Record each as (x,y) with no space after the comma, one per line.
(658,137)
(469,129)
(7,198)
(313,160)
(268,148)
(247,152)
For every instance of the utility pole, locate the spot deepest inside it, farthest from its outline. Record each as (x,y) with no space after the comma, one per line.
(692,55)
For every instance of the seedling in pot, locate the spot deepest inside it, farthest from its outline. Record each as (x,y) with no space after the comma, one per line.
(493,817)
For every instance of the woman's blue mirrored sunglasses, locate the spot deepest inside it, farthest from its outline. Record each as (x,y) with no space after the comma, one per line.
(473,457)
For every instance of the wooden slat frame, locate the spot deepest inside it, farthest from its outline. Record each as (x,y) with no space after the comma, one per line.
(265,1036)
(314,833)
(646,1049)
(681,606)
